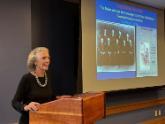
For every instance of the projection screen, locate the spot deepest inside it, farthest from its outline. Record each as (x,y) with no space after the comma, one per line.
(141,28)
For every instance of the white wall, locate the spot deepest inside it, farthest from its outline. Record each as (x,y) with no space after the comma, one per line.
(15,43)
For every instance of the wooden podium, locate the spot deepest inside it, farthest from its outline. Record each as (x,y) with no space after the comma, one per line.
(80,109)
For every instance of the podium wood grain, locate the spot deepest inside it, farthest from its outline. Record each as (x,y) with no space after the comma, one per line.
(80,109)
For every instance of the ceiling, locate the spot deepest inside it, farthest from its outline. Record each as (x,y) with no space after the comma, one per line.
(154,3)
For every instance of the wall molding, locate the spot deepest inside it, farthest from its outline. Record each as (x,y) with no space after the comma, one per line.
(118,109)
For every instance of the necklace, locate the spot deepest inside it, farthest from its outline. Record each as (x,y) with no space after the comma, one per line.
(38,81)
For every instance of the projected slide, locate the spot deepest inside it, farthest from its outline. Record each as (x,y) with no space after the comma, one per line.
(126,41)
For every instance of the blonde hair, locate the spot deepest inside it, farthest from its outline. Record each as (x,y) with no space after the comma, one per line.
(32,57)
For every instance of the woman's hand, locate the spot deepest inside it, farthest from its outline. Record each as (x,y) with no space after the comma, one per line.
(32,106)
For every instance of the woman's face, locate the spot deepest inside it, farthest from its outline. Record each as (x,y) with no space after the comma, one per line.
(42,60)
